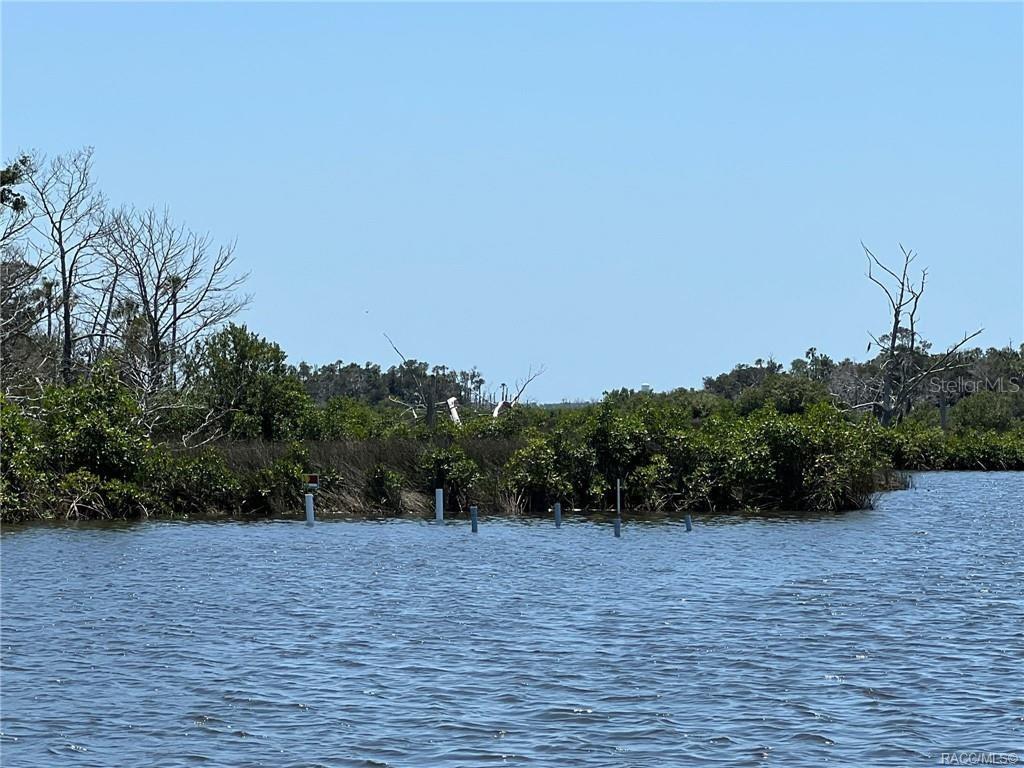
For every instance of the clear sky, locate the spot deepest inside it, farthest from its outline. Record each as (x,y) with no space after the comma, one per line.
(624,193)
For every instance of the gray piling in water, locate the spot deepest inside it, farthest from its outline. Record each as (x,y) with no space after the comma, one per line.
(309,510)
(689,523)
(439,505)
(473,518)
(558,514)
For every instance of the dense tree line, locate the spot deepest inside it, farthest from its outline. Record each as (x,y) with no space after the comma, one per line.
(129,390)
(985,390)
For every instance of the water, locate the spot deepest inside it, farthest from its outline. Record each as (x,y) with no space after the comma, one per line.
(871,638)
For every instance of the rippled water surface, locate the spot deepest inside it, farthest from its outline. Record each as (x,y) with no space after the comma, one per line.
(871,638)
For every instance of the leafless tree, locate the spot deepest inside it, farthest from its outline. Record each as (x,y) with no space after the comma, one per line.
(431,393)
(168,286)
(20,291)
(21,304)
(508,400)
(421,399)
(70,223)
(427,396)
(903,359)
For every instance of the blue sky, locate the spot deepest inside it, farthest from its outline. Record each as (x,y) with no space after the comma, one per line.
(623,193)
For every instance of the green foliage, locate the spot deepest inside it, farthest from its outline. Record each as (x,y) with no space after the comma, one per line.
(987,451)
(810,460)
(534,471)
(277,486)
(409,382)
(813,366)
(95,425)
(384,488)
(621,440)
(22,477)
(511,423)
(915,448)
(126,500)
(651,485)
(191,484)
(450,469)
(578,463)
(730,385)
(784,393)
(771,440)
(244,377)
(82,454)
(11,176)
(344,418)
(923,416)
(988,410)
(77,494)
(815,460)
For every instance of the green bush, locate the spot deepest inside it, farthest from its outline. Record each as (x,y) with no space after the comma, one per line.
(276,487)
(384,488)
(651,485)
(622,442)
(977,450)
(94,426)
(913,448)
(785,393)
(83,451)
(125,500)
(343,418)
(987,411)
(77,496)
(25,485)
(533,472)
(191,484)
(814,460)
(450,469)
(244,377)
(578,462)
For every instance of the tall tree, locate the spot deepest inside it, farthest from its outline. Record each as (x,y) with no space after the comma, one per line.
(21,309)
(174,284)
(247,388)
(903,359)
(21,295)
(71,223)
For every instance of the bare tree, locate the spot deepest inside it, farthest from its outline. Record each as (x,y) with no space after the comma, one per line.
(20,291)
(433,390)
(508,402)
(168,286)
(70,221)
(904,362)
(421,400)
(99,315)
(21,305)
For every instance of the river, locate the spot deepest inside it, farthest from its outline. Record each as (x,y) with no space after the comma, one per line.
(882,637)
